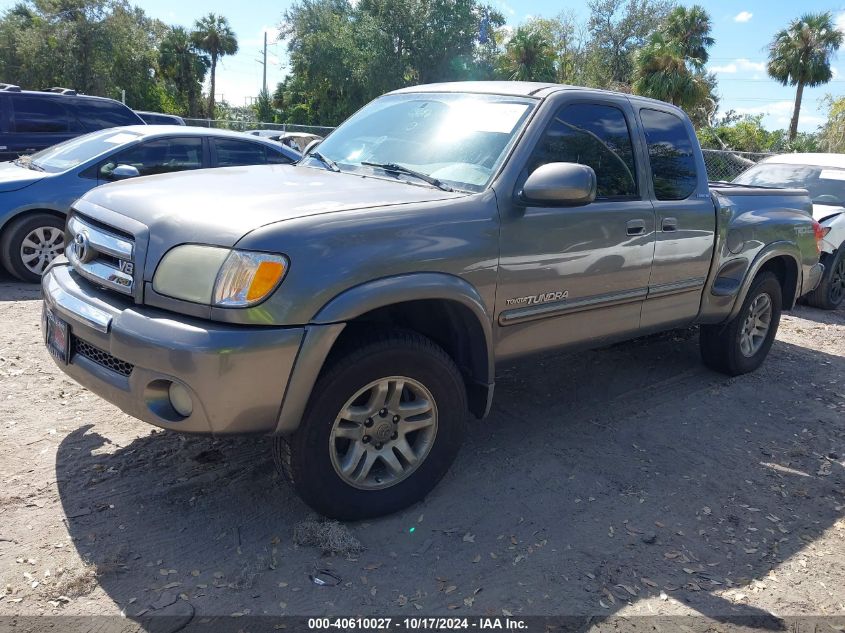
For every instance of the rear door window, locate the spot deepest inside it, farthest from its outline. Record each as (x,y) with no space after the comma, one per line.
(160,156)
(40,116)
(597,136)
(97,114)
(670,151)
(231,152)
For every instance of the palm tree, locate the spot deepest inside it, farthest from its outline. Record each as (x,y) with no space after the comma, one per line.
(799,55)
(183,66)
(690,29)
(213,35)
(661,72)
(528,56)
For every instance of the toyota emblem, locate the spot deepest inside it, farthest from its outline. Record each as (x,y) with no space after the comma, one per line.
(82,247)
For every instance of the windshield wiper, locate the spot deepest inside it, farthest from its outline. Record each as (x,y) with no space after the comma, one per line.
(26,163)
(401,169)
(328,162)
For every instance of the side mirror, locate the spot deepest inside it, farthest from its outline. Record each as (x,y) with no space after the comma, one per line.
(122,172)
(564,184)
(311,146)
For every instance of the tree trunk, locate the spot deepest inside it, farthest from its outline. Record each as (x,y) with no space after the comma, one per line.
(793,125)
(211,92)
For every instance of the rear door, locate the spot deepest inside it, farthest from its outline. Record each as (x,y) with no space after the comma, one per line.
(686,219)
(575,274)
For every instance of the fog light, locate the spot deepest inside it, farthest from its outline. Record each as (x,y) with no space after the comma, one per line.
(180,399)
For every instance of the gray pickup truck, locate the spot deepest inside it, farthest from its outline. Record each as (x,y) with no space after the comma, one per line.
(354,306)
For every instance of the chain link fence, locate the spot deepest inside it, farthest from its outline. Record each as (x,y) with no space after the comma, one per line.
(243,126)
(725,165)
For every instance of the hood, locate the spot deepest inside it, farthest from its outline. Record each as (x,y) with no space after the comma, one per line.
(13,177)
(220,206)
(822,211)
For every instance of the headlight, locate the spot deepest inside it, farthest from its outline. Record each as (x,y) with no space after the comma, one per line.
(217,276)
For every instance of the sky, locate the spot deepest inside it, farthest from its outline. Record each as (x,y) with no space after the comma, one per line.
(742,29)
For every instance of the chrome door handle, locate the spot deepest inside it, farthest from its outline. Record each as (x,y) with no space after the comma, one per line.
(669,224)
(636,227)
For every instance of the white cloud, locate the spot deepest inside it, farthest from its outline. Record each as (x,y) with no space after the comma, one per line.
(840,21)
(506,8)
(739,65)
(781,113)
(743,16)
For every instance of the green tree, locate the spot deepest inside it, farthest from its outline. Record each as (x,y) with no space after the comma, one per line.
(567,37)
(343,55)
(528,56)
(800,54)
(183,67)
(662,73)
(832,132)
(263,107)
(213,35)
(99,47)
(689,28)
(618,29)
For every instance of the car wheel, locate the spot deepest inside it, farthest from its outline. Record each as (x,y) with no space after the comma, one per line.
(30,243)
(830,292)
(384,423)
(742,344)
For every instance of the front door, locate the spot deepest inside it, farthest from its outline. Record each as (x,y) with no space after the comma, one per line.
(576,274)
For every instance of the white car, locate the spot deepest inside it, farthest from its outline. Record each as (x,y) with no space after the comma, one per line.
(823,175)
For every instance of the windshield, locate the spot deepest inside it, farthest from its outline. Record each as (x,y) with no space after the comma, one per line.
(825,184)
(458,139)
(81,149)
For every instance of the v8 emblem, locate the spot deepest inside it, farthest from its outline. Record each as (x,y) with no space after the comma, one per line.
(126,267)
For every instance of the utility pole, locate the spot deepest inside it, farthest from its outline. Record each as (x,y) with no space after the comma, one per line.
(265,62)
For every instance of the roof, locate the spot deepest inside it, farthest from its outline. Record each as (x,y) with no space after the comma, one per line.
(188,130)
(816,159)
(539,90)
(55,95)
(511,88)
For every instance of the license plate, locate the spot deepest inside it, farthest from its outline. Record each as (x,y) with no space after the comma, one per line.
(56,334)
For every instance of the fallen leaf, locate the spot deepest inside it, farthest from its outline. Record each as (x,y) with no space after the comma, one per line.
(469,538)
(648,582)
(477,559)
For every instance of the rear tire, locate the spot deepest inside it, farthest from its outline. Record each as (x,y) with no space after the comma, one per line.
(742,344)
(830,292)
(30,243)
(378,397)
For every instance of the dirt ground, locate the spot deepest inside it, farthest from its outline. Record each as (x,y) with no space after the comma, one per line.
(622,481)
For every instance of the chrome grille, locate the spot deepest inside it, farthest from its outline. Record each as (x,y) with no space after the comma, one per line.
(101,256)
(101,357)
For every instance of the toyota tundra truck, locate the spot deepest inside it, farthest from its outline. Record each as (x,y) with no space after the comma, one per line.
(354,306)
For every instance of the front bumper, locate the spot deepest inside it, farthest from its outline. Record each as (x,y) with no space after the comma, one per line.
(236,375)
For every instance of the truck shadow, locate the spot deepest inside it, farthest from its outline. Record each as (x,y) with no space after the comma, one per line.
(601,480)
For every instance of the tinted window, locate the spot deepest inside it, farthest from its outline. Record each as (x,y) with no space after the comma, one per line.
(160,156)
(277,158)
(44,116)
(96,114)
(593,135)
(231,153)
(670,151)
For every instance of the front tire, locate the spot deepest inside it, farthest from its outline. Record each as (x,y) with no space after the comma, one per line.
(742,344)
(30,243)
(830,292)
(383,425)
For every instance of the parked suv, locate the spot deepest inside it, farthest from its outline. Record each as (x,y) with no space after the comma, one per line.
(33,120)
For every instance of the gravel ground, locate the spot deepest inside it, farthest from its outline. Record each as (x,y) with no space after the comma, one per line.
(622,481)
